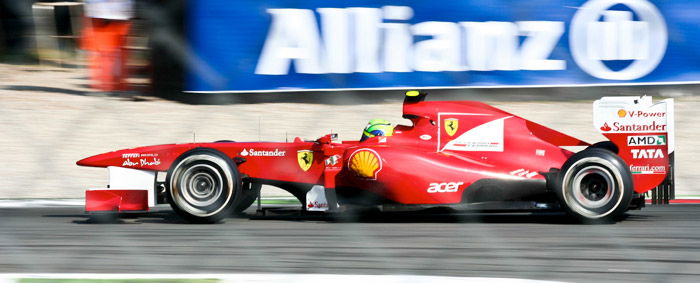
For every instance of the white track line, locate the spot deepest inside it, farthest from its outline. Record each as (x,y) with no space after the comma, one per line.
(33,203)
(22,203)
(275,277)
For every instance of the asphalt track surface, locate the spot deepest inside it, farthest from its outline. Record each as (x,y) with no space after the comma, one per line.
(657,244)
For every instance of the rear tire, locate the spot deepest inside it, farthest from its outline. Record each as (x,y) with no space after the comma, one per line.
(607,145)
(595,186)
(203,185)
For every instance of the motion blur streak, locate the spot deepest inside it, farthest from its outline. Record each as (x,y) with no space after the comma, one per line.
(263,277)
(656,244)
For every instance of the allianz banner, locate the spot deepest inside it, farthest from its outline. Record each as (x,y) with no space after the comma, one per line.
(281,45)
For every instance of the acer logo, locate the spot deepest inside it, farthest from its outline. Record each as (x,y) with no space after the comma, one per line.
(449,187)
(647,153)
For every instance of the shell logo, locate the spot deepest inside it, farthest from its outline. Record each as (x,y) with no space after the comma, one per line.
(621,113)
(366,163)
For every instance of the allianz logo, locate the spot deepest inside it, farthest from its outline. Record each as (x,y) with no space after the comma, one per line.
(376,40)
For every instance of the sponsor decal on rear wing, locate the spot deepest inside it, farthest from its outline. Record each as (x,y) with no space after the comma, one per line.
(644,133)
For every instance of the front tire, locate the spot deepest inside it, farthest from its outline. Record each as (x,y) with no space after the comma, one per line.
(595,186)
(203,186)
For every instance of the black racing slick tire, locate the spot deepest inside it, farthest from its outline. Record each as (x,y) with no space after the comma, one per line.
(203,184)
(607,145)
(595,186)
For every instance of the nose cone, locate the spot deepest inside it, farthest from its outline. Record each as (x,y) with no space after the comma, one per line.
(100,160)
(155,157)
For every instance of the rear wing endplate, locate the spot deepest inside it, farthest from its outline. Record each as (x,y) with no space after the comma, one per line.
(644,133)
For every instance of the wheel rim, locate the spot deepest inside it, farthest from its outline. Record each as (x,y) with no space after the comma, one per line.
(592,187)
(201,185)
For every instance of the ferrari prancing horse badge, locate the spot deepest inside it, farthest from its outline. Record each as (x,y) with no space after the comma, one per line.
(305,157)
(451,126)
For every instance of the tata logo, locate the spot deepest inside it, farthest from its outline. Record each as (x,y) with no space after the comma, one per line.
(646,140)
(647,153)
(448,187)
(377,40)
(598,35)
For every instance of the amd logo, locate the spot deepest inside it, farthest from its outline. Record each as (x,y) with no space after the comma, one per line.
(646,140)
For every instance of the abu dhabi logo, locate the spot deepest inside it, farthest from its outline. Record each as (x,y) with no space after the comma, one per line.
(599,34)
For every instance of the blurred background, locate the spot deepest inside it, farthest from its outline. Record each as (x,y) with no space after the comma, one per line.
(84,77)
(78,78)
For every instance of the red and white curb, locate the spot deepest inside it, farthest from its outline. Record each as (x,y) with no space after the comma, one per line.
(266,277)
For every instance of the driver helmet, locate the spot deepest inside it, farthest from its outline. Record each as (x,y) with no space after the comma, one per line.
(377,127)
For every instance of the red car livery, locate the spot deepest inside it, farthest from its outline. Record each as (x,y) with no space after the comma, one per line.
(459,154)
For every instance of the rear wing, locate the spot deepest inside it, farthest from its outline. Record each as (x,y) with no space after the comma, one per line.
(643,131)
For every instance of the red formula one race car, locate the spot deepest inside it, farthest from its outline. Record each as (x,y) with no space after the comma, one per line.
(458,154)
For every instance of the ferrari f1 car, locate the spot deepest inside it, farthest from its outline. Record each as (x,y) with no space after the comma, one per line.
(457,154)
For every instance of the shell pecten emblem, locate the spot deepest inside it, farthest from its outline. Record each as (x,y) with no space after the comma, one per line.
(366,163)
(305,158)
(621,113)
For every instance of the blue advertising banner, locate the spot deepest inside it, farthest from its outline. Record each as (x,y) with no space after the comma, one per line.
(283,45)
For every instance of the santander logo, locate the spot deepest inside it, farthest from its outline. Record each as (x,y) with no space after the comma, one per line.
(605,127)
(317,205)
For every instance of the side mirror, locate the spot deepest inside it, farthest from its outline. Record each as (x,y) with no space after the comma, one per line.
(327,138)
